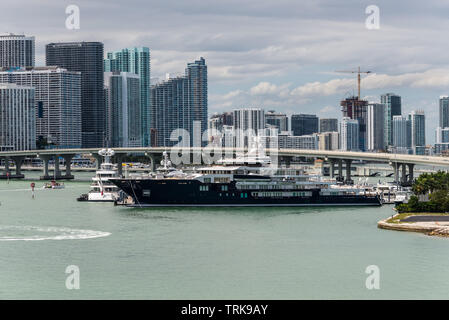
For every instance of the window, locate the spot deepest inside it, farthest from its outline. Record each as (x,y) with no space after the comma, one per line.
(224,188)
(204,188)
(146,192)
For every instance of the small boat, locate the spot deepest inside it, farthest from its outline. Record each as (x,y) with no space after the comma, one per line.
(402,197)
(53,185)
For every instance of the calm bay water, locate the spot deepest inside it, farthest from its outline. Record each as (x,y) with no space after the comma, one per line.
(240,253)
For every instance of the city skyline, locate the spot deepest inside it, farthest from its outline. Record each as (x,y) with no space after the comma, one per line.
(258,57)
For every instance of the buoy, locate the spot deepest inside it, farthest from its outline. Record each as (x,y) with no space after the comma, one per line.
(32,189)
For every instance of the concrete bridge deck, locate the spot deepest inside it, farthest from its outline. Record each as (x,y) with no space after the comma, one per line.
(397,161)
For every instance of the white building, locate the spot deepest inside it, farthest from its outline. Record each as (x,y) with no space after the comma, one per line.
(329,141)
(375,133)
(349,134)
(247,124)
(17,118)
(57,100)
(122,90)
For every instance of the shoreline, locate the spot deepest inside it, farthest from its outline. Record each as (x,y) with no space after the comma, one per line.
(434,228)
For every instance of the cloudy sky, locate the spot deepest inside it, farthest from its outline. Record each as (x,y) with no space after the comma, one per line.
(275,54)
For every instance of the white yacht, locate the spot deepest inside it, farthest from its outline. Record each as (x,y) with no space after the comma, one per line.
(102,189)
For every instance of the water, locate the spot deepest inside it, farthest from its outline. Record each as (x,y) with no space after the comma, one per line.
(240,253)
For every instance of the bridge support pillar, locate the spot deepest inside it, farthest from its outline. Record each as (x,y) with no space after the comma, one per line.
(411,166)
(288,161)
(68,166)
(18,161)
(340,171)
(119,160)
(154,160)
(348,172)
(395,166)
(7,171)
(57,170)
(404,174)
(45,159)
(332,168)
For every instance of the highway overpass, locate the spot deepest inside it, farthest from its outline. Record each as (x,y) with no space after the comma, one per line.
(398,161)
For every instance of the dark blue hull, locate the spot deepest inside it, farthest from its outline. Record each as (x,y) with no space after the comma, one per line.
(192,193)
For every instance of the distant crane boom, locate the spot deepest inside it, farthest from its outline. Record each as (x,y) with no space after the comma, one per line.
(358,77)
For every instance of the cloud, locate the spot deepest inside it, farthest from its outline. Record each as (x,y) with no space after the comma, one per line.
(273,53)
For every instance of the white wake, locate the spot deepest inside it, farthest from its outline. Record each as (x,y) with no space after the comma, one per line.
(25,233)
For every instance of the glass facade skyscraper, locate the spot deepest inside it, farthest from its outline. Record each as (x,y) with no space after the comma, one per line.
(393,107)
(444,112)
(178,103)
(328,125)
(137,61)
(304,124)
(196,74)
(402,137)
(87,58)
(418,129)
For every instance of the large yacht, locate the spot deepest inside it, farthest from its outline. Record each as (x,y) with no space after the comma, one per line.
(102,189)
(248,182)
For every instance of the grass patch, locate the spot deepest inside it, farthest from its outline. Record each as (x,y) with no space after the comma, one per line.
(401,216)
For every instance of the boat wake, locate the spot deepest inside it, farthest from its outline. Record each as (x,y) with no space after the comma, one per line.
(36,233)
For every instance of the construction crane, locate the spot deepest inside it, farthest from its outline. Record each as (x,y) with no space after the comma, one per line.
(358,77)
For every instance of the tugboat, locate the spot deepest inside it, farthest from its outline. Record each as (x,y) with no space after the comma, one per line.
(248,182)
(102,189)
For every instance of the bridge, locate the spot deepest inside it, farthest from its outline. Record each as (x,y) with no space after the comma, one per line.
(399,162)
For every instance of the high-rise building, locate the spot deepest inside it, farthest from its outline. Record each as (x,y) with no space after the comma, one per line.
(393,106)
(17,118)
(304,124)
(248,122)
(57,102)
(402,132)
(328,125)
(418,130)
(16,51)
(196,74)
(442,135)
(355,109)
(87,58)
(349,134)
(137,61)
(375,139)
(277,120)
(180,103)
(310,141)
(444,111)
(329,141)
(216,126)
(123,109)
